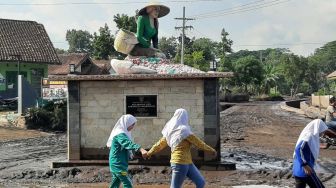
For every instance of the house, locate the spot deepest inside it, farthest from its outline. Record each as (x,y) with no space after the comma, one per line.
(82,63)
(26,49)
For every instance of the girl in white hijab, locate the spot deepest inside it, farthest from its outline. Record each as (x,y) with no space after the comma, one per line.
(178,136)
(121,143)
(306,153)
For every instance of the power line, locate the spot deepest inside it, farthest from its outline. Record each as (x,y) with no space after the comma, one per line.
(284,44)
(101,3)
(247,9)
(243,5)
(242,9)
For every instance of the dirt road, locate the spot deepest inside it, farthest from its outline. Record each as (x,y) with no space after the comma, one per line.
(259,137)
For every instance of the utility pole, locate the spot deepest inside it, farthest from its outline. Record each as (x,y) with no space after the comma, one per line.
(184,27)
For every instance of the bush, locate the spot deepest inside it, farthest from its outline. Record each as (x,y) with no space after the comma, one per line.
(38,118)
(52,116)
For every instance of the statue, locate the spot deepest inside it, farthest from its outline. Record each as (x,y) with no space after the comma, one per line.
(144,57)
(147,30)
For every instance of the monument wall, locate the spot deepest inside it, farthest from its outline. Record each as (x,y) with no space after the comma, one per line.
(96,102)
(102,103)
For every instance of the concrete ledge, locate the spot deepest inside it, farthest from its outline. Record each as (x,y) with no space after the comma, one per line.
(284,106)
(312,111)
(208,166)
(142,76)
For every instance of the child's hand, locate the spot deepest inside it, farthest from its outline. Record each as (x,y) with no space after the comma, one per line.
(307,170)
(144,153)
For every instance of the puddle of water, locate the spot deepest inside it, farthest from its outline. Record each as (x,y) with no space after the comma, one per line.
(250,161)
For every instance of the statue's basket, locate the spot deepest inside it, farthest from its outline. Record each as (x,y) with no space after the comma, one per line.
(125,41)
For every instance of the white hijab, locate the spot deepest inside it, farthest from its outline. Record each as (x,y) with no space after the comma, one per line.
(177,128)
(311,134)
(121,127)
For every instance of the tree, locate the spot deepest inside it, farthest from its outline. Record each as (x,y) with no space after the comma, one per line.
(168,46)
(293,68)
(126,22)
(79,41)
(248,71)
(103,43)
(207,46)
(270,77)
(225,43)
(60,51)
(197,60)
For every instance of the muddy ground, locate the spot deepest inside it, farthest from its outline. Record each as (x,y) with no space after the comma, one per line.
(259,137)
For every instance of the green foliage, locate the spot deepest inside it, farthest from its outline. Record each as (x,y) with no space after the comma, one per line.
(60,51)
(103,43)
(207,46)
(53,116)
(293,68)
(197,60)
(270,77)
(79,41)
(168,46)
(126,22)
(225,44)
(248,71)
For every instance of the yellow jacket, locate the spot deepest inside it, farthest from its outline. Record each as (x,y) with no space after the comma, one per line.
(181,154)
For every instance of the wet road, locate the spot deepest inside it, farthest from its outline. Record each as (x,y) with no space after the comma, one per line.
(259,137)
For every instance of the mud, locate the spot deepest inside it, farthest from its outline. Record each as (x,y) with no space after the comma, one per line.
(258,136)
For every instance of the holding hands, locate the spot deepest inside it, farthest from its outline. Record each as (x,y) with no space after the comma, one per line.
(144,153)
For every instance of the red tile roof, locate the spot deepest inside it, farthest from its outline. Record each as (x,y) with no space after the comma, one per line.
(66,60)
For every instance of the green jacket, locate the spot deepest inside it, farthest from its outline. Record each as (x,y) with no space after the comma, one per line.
(119,153)
(146,33)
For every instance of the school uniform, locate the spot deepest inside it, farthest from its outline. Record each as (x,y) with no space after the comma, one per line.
(306,153)
(177,135)
(121,144)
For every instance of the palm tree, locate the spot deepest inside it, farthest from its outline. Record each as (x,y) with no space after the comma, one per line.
(270,77)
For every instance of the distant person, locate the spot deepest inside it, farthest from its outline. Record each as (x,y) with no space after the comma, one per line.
(178,136)
(306,153)
(121,144)
(331,114)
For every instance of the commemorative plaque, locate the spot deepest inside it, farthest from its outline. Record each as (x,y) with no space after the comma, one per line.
(141,105)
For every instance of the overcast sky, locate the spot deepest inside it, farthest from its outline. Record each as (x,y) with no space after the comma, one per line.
(300,25)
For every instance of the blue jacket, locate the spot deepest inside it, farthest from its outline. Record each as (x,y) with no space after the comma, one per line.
(303,156)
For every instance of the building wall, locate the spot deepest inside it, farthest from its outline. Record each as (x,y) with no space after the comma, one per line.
(24,67)
(103,102)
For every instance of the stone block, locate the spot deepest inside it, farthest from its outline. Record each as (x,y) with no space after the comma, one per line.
(159,121)
(164,90)
(196,121)
(199,89)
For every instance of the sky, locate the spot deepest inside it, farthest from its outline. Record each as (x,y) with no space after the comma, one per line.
(299,25)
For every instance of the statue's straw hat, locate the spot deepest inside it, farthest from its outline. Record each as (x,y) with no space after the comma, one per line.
(164,10)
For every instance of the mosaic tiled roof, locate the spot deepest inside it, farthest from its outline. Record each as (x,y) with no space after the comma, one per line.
(26,41)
